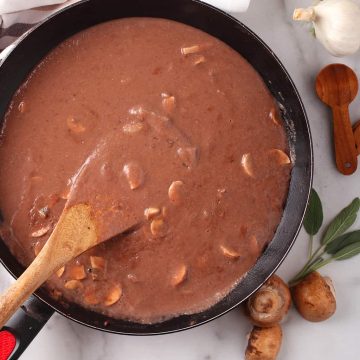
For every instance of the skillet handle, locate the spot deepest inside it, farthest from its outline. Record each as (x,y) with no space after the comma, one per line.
(22,328)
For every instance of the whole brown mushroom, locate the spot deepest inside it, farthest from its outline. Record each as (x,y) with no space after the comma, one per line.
(264,343)
(314,297)
(269,305)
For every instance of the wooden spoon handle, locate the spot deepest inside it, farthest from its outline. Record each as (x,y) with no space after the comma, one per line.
(74,233)
(345,149)
(33,277)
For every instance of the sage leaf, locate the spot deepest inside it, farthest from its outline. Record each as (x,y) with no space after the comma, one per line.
(314,214)
(347,252)
(342,222)
(342,241)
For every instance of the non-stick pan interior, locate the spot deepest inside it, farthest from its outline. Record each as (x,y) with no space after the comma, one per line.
(42,39)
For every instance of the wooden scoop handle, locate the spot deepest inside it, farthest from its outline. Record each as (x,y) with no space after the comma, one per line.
(356,129)
(74,234)
(345,148)
(33,277)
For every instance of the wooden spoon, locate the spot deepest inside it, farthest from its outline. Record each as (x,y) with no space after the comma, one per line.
(337,86)
(85,222)
(75,232)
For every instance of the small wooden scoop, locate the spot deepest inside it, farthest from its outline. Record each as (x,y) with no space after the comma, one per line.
(337,86)
(75,232)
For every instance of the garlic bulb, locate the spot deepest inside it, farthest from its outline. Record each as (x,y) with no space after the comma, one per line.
(336,24)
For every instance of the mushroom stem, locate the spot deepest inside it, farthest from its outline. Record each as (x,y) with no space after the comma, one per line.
(304,14)
(270,304)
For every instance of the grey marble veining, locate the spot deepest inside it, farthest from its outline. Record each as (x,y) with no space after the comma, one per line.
(225,338)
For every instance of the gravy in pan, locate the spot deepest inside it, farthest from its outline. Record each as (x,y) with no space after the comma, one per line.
(175,128)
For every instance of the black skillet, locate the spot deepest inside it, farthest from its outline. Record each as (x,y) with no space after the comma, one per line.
(38,42)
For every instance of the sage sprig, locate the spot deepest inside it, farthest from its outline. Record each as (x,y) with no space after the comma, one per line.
(335,244)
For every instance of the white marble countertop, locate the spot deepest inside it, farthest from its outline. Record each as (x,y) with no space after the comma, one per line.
(225,338)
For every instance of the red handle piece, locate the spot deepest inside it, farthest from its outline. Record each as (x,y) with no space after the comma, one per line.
(7,344)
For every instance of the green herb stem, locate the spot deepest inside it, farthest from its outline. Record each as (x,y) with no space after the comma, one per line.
(314,258)
(311,241)
(321,264)
(314,267)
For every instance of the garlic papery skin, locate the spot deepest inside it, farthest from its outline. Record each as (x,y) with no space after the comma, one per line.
(336,24)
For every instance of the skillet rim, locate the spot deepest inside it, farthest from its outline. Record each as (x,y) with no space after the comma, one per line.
(184,322)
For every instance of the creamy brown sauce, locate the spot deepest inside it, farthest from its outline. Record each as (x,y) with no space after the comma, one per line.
(146,119)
